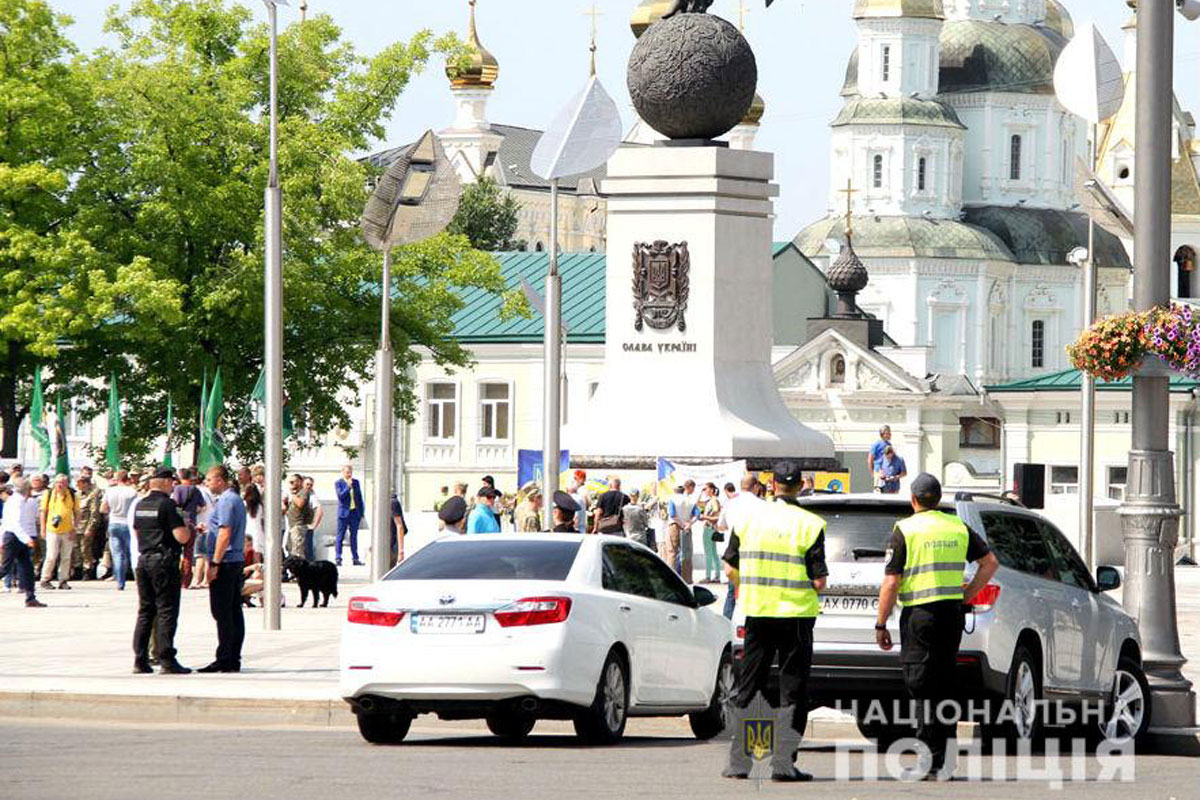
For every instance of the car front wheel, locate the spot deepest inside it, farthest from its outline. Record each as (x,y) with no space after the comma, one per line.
(713,720)
(384,728)
(603,722)
(1127,712)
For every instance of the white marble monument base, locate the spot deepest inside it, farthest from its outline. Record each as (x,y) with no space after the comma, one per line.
(706,392)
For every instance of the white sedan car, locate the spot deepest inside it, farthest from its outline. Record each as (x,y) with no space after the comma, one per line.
(513,628)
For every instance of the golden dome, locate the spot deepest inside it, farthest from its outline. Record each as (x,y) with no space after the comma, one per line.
(929,9)
(648,13)
(480,69)
(754,114)
(1059,19)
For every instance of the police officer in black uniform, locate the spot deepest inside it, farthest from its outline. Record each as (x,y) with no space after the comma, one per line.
(453,515)
(565,509)
(161,534)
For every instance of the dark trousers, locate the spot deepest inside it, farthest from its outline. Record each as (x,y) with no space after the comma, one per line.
(348,525)
(225,603)
(309,545)
(18,558)
(791,638)
(929,639)
(158,584)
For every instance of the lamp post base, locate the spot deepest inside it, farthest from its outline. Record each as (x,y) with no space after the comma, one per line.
(1150,524)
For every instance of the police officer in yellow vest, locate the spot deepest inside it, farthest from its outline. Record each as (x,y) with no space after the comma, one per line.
(926,557)
(777,558)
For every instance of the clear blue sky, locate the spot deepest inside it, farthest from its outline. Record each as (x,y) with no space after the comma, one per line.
(802,48)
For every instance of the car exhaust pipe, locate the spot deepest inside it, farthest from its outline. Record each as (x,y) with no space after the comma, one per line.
(366,704)
(529,704)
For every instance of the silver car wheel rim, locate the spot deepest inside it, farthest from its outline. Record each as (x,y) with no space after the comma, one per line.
(1025,701)
(614,697)
(1128,709)
(725,682)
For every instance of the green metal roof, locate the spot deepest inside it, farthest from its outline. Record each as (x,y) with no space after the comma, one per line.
(1046,235)
(896,111)
(1069,381)
(980,56)
(478,321)
(905,237)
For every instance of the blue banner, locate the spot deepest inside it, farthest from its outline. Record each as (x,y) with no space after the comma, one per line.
(529,465)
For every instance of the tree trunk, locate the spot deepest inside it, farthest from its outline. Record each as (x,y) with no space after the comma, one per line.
(10,414)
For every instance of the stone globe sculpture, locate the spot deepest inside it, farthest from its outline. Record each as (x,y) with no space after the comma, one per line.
(692,76)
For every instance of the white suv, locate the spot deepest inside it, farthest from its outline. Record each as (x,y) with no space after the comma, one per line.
(1044,634)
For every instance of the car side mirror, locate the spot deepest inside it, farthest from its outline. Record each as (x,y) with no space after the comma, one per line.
(1107,578)
(703,596)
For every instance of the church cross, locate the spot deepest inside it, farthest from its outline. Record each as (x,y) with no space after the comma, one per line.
(849,191)
(593,12)
(742,12)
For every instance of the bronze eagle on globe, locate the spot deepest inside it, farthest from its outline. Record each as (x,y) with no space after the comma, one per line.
(694,7)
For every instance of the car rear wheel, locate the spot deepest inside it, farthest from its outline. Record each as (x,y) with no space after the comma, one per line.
(1021,717)
(384,728)
(513,726)
(603,722)
(713,720)
(1127,713)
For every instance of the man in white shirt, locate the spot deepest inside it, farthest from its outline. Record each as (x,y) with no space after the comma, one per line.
(20,531)
(737,509)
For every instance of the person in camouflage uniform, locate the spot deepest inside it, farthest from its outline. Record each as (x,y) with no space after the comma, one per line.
(90,527)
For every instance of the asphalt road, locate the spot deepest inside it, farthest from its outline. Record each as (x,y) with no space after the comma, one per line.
(47,761)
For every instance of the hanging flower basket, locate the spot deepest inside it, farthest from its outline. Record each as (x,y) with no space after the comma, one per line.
(1160,341)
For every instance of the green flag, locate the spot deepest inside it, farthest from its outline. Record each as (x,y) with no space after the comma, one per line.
(167,461)
(62,465)
(37,422)
(212,443)
(112,448)
(259,395)
(200,422)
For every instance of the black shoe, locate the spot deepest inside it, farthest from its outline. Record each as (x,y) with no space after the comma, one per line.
(215,666)
(173,667)
(107,576)
(358,563)
(90,573)
(142,668)
(338,562)
(34,603)
(732,773)
(795,776)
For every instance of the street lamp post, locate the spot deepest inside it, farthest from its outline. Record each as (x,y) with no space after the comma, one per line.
(385,414)
(273,336)
(1149,515)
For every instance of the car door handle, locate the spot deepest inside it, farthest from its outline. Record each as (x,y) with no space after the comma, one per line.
(672,617)
(625,608)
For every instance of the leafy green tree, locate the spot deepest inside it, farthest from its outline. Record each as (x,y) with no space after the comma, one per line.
(62,300)
(487,216)
(175,183)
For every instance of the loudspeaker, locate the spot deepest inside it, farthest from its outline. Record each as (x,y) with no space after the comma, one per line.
(1029,482)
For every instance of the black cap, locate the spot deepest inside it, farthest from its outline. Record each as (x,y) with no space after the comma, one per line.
(564,501)
(453,511)
(787,472)
(161,473)
(927,489)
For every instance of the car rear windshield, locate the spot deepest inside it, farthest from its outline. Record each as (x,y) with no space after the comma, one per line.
(859,532)
(484,559)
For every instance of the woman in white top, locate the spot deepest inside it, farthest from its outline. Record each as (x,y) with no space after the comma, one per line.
(255,522)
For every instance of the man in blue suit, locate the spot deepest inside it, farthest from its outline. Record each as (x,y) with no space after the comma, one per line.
(350,512)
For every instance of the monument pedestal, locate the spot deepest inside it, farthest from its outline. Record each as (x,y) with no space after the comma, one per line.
(689,328)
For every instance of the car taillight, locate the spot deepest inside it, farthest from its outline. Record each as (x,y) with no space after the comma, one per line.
(367,611)
(533,611)
(985,599)
(741,631)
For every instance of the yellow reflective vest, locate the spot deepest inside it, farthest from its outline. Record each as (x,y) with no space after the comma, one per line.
(936,549)
(771,550)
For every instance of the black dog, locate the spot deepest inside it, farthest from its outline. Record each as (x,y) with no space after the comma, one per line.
(318,577)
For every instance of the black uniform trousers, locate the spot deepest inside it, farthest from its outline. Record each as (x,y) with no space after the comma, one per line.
(18,559)
(791,638)
(158,583)
(225,603)
(929,638)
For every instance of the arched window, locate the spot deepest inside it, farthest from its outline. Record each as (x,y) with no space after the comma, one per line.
(1014,158)
(877,172)
(1185,265)
(1037,349)
(886,63)
(538,247)
(921,166)
(837,370)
